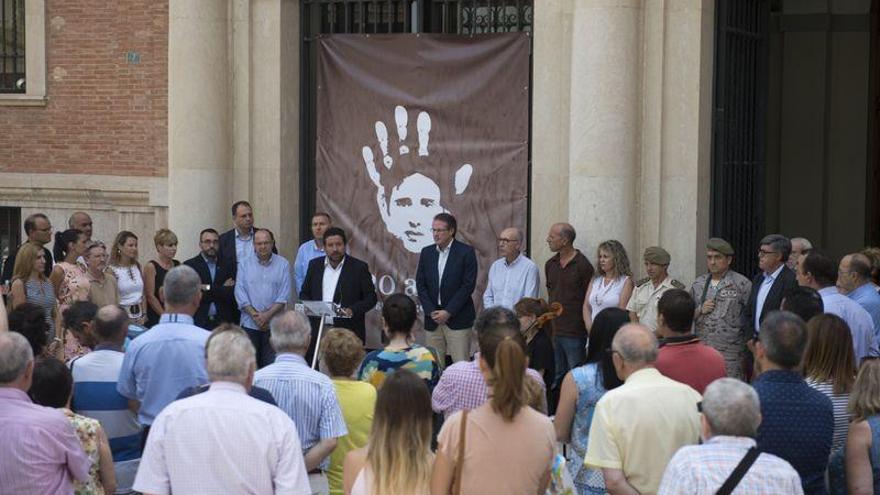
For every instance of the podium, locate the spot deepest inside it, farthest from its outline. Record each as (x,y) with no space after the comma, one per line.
(323,310)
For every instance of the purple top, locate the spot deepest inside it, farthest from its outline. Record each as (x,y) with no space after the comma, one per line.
(47,452)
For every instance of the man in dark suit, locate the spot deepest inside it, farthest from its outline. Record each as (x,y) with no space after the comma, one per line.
(343,279)
(445,280)
(38,230)
(771,285)
(218,283)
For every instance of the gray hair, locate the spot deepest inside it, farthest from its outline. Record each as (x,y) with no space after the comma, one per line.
(805,243)
(636,344)
(496,316)
(230,356)
(72,219)
(290,331)
(181,285)
(784,337)
(15,354)
(732,408)
(778,243)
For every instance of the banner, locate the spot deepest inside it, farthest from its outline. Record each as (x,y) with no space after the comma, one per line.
(410,126)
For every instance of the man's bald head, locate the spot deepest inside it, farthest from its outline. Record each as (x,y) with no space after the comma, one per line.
(636,345)
(565,230)
(15,354)
(111,324)
(81,221)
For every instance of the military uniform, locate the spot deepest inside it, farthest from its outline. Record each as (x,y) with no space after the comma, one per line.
(645,296)
(722,328)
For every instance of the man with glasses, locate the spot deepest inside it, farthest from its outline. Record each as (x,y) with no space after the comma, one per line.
(771,285)
(218,283)
(38,230)
(513,276)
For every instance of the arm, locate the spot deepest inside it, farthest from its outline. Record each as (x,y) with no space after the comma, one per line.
(150,289)
(633,317)
(489,293)
(626,293)
(367,292)
(441,477)
(105,463)
(616,484)
(351,467)
(587,309)
(859,475)
(468,283)
(242,298)
(428,305)
(444,393)
(305,291)
(56,278)
(565,411)
(152,474)
(533,281)
(17,293)
(319,452)
(300,267)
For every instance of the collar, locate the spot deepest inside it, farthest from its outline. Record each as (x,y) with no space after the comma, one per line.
(230,386)
(680,340)
(558,258)
(666,282)
(643,375)
(291,357)
(108,347)
(865,288)
(828,291)
(744,442)
(338,267)
(475,362)
(16,394)
(448,247)
(264,263)
(176,318)
(210,261)
(781,376)
(315,246)
(238,235)
(772,276)
(515,260)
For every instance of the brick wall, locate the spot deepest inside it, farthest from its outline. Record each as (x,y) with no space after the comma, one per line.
(107,89)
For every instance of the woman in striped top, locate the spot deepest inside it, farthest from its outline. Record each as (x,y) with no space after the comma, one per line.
(29,284)
(829,367)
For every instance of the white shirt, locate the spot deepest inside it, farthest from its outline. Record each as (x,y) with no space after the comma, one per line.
(129,283)
(441,266)
(762,294)
(508,283)
(222,441)
(331,279)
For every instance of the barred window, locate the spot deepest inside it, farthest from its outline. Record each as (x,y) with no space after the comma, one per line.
(12,58)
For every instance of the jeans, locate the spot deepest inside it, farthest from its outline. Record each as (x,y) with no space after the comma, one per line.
(265,353)
(569,352)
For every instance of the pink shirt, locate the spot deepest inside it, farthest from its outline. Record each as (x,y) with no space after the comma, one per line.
(687,360)
(41,450)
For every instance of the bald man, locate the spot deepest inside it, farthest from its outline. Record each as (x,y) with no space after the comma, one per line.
(81,221)
(513,276)
(639,426)
(854,280)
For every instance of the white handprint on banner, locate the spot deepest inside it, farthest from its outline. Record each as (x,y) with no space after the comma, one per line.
(417,199)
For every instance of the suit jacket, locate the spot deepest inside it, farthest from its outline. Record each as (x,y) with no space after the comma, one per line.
(784,283)
(355,291)
(222,296)
(226,249)
(456,288)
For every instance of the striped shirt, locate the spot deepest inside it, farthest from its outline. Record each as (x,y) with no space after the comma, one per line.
(307,396)
(95,396)
(702,469)
(841,411)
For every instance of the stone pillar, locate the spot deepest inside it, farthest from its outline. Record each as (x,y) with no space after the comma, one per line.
(198,119)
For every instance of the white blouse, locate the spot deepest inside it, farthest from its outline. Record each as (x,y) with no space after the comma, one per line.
(129,283)
(604,295)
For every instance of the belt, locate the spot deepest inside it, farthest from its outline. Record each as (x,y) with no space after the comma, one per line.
(316,471)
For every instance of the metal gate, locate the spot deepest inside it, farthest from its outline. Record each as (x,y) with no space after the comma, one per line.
(465,17)
(739,140)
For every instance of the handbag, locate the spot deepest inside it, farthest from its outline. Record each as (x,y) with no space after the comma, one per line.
(739,472)
(459,461)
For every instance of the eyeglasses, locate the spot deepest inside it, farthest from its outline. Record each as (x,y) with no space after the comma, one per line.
(762,252)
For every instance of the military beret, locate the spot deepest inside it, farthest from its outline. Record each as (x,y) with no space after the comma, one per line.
(657,255)
(720,245)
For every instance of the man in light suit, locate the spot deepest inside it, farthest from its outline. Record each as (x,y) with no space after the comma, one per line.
(340,278)
(218,283)
(445,279)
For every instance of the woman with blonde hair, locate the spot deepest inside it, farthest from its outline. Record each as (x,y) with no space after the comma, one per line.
(863,440)
(397,458)
(29,284)
(503,446)
(129,279)
(155,271)
(612,286)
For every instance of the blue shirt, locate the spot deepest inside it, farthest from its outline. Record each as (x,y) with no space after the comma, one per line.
(163,361)
(868,298)
(859,321)
(307,396)
(212,269)
(510,282)
(763,291)
(260,285)
(244,246)
(306,253)
(797,425)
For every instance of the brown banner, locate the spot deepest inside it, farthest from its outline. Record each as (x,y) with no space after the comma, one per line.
(413,125)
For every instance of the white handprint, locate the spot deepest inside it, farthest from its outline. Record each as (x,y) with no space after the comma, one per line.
(416,200)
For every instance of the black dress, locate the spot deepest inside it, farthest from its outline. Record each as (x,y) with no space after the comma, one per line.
(152,316)
(541,357)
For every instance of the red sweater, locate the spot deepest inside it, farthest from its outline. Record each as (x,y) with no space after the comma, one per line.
(687,360)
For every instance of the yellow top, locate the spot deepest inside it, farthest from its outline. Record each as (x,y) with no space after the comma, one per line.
(357,401)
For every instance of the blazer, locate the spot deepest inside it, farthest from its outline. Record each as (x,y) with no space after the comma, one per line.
(784,283)
(355,291)
(456,288)
(220,295)
(226,249)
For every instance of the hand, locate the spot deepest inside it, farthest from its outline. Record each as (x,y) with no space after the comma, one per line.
(708,307)
(230,282)
(347,312)
(441,316)
(259,318)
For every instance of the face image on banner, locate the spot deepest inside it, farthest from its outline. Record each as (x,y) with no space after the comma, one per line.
(410,126)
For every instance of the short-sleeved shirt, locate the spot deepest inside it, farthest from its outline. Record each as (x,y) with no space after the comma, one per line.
(568,286)
(500,456)
(645,297)
(687,360)
(418,359)
(638,426)
(357,401)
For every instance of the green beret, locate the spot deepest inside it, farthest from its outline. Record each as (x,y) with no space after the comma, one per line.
(720,245)
(657,255)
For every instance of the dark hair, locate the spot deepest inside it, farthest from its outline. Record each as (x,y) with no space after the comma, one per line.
(829,356)
(271,235)
(496,316)
(52,383)
(784,337)
(30,223)
(531,306)
(505,351)
(449,220)
(111,328)
(677,308)
(323,214)
(239,203)
(821,267)
(804,302)
(207,231)
(779,243)
(332,231)
(78,314)
(62,239)
(399,312)
(605,326)
(29,320)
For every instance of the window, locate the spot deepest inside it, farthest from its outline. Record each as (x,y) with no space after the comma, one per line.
(12,47)
(22,52)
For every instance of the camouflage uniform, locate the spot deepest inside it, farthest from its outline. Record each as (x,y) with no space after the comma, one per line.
(645,296)
(722,328)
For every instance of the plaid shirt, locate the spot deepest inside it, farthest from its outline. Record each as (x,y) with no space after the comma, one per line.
(462,387)
(702,469)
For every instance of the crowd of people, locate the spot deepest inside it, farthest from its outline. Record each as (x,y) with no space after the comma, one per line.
(204,377)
